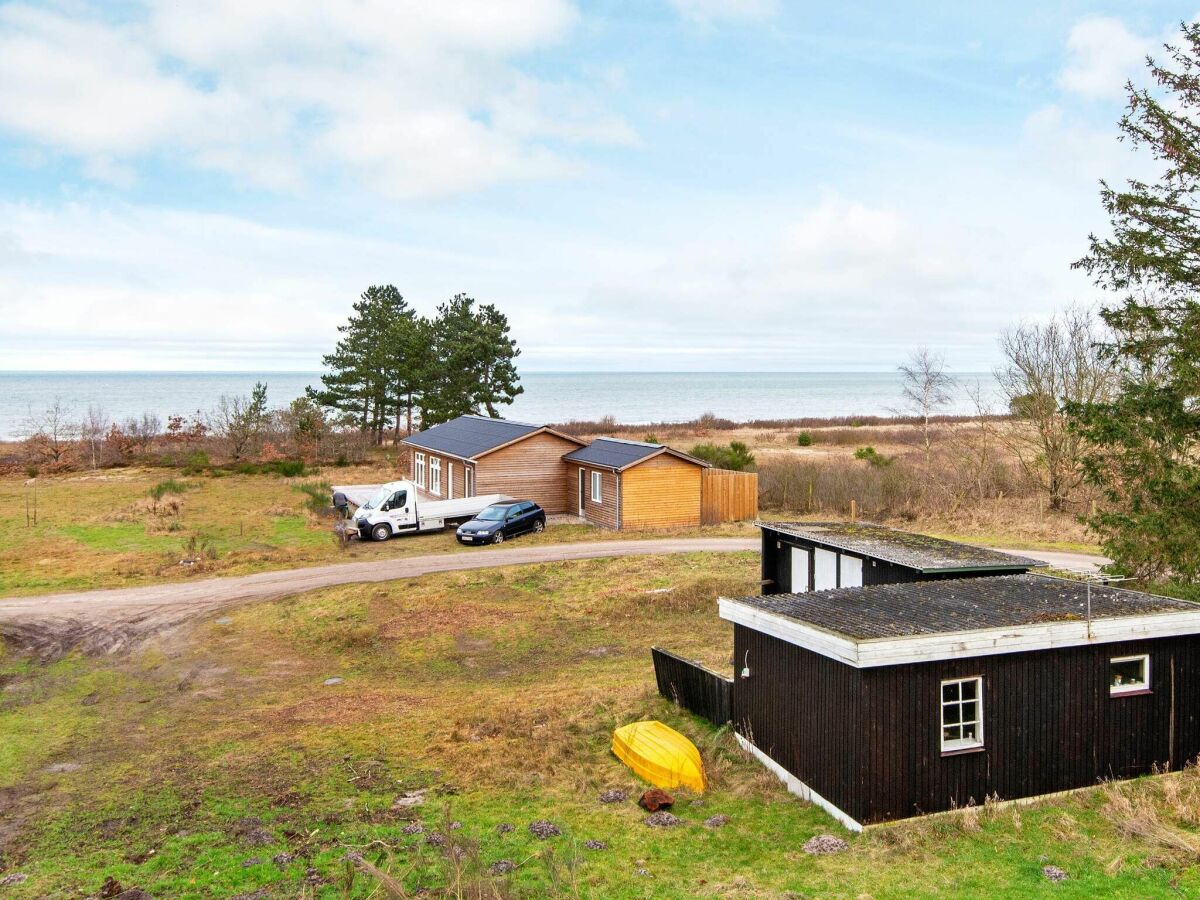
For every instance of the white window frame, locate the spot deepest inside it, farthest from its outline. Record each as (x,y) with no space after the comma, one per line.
(954,745)
(597,487)
(449,479)
(468,481)
(435,475)
(1116,690)
(419,467)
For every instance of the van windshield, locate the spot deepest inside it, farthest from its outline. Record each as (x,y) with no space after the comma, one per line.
(493,514)
(377,499)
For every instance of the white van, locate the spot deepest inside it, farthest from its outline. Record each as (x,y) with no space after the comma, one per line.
(396,508)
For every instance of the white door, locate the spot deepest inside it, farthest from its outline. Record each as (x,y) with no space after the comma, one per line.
(400,510)
(468,481)
(800,557)
(825,567)
(851,570)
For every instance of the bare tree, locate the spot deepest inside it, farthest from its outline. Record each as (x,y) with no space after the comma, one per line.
(1051,365)
(93,429)
(50,433)
(926,388)
(240,420)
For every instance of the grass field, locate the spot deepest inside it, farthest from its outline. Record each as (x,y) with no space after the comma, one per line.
(189,768)
(105,529)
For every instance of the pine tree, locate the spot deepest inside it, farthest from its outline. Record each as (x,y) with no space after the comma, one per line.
(474,369)
(1143,444)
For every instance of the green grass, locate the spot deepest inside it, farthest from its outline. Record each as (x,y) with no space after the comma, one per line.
(496,690)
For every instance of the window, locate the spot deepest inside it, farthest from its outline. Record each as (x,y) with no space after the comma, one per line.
(962,714)
(435,475)
(596,488)
(399,500)
(468,482)
(1129,674)
(419,465)
(449,480)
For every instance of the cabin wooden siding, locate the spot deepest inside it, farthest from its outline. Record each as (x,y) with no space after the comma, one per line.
(869,740)
(532,468)
(662,492)
(777,566)
(606,513)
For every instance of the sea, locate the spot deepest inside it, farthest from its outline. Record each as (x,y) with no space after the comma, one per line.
(634,398)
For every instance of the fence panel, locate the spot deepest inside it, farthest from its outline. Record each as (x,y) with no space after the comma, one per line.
(693,686)
(728,496)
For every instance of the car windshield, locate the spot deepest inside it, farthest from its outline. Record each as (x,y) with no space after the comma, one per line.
(493,514)
(377,500)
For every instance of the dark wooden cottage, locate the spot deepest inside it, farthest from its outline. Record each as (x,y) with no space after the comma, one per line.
(887,701)
(816,556)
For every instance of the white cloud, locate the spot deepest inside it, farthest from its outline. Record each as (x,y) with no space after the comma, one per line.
(413,98)
(1102,54)
(708,11)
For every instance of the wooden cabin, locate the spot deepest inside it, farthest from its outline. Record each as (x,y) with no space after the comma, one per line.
(886,701)
(623,484)
(816,556)
(474,455)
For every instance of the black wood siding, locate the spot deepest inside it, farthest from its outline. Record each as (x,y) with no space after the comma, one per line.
(1050,724)
(802,710)
(869,740)
(694,687)
(777,566)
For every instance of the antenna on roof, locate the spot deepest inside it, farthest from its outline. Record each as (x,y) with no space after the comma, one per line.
(1090,577)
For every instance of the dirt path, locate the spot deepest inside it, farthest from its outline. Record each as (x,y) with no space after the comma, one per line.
(109,621)
(1058,559)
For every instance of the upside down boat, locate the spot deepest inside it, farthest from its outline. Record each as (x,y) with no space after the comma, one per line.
(659,754)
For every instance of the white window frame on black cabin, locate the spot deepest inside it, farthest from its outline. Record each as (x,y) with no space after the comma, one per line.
(419,469)
(1117,690)
(954,745)
(597,490)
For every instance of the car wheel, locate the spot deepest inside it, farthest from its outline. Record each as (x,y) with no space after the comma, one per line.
(539,526)
(499,538)
(381,532)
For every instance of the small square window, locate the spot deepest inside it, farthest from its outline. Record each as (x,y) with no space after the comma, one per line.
(1129,674)
(962,714)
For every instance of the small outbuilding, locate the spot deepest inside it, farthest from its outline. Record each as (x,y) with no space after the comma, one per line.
(815,556)
(624,484)
(474,455)
(884,701)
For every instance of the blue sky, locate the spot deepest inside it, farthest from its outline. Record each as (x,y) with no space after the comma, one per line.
(662,185)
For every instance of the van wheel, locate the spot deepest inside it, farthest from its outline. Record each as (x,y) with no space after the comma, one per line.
(539,526)
(381,532)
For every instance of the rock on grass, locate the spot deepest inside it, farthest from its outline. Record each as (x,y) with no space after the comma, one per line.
(502,867)
(825,843)
(543,828)
(717,821)
(616,795)
(655,799)
(663,819)
(1054,873)
(413,828)
(505,828)
(13,879)
(595,845)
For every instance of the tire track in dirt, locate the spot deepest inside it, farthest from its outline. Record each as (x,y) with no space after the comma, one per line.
(116,620)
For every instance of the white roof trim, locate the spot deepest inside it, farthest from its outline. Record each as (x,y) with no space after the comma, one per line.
(874,652)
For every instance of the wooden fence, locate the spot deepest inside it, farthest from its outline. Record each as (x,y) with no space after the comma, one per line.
(727,496)
(694,687)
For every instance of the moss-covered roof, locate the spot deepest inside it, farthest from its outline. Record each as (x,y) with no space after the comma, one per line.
(905,548)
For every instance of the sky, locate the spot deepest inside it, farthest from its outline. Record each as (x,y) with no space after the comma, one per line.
(660,185)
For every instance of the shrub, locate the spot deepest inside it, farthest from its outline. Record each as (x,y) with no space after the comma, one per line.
(317,496)
(804,439)
(170,486)
(196,462)
(735,456)
(872,456)
(651,439)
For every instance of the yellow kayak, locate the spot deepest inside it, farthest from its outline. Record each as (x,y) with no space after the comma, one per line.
(659,754)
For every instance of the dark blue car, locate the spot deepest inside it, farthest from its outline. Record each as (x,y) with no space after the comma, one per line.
(501,521)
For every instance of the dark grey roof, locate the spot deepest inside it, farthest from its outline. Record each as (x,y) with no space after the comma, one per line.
(470,436)
(916,551)
(616,453)
(959,604)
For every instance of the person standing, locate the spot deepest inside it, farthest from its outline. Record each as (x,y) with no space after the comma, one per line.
(342,503)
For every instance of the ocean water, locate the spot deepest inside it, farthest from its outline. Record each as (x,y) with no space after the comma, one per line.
(631,397)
